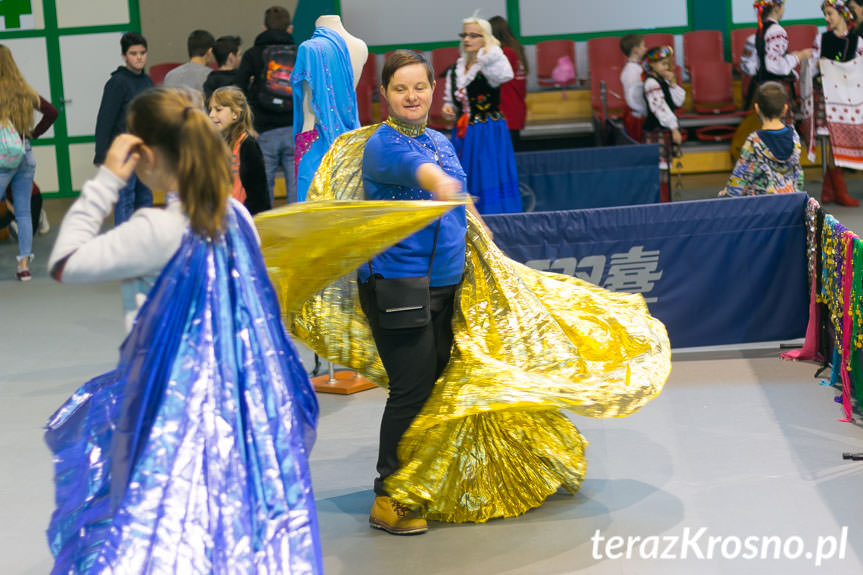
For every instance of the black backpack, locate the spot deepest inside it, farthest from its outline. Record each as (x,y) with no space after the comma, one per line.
(275,93)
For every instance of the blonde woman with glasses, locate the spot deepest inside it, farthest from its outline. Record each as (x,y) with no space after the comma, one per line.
(481,137)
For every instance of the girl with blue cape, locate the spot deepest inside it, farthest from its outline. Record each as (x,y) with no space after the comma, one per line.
(192,455)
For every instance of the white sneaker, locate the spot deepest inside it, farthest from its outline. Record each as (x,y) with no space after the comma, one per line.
(44,224)
(13,229)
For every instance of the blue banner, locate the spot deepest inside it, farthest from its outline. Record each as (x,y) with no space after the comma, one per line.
(584,178)
(716,272)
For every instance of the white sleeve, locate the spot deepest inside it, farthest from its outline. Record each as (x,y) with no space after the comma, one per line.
(494,65)
(777,60)
(447,92)
(657,104)
(678,94)
(749,59)
(138,247)
(633,89)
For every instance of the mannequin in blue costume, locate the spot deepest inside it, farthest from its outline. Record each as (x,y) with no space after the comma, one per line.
(323,80)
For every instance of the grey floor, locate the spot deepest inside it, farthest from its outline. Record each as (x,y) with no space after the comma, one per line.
(740,444)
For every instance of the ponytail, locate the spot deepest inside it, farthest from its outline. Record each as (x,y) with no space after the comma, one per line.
(204,181)
(173,121)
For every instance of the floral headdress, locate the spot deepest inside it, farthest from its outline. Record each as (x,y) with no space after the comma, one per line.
(840,6)
(657,54)
(762,5)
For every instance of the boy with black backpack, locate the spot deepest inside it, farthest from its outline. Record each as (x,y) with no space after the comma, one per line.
(265,77)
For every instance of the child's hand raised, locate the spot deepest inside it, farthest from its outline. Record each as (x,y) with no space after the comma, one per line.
(123,155)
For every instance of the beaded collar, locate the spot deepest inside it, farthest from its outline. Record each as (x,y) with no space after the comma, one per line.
(411,130)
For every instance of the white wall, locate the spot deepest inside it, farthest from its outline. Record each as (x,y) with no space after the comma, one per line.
(547,17)
(166,23)
(384,22)
(743,13)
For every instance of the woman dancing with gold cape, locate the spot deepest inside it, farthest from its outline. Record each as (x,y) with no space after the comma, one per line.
(491,441)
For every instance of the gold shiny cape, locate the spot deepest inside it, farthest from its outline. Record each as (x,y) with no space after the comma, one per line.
(307,244)
(491,440)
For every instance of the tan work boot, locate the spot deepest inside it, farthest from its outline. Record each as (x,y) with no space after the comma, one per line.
(393,517)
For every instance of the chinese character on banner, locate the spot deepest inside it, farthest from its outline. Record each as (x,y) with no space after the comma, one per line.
(634,271)
(17,14)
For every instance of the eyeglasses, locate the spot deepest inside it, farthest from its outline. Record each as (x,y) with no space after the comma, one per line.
(471,35)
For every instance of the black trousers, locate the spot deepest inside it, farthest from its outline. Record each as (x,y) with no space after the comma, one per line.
(413,359)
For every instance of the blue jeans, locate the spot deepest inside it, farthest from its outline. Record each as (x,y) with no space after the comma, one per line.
(21,179)
(133,195)
(277,145)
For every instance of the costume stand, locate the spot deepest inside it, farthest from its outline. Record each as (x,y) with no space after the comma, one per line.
(341,382)
(324,90)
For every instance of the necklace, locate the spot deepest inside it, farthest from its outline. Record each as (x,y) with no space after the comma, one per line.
(412,130)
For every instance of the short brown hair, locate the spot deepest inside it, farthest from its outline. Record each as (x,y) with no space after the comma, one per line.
(771,99)
(277,18)
(629,42)
(401,58)
(199,43)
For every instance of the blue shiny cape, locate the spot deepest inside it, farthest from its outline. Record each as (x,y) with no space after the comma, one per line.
(192,455)
(324,63)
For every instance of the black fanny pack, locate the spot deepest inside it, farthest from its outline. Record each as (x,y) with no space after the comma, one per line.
(404,303)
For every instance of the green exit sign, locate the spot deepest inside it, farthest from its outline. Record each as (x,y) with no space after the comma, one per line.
(12,10)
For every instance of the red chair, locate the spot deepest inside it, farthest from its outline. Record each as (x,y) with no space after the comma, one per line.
(547,55)
(604,51)
(436,120)
(443,58)
(713,95)
(738,43)
(615,102)
(364,103)
(712,88)
(801,36)
(654,40)
(369,75)
(702,46)
(159,71)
